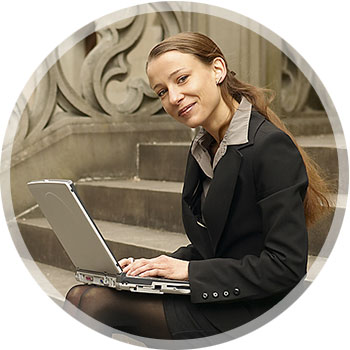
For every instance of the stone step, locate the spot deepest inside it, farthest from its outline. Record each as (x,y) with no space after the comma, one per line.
(327,151)
(314,266)
(167,161)
(162,161)
(309,125)
(320,231)
(55,281)
(152,204)
(123,241)
(157,205)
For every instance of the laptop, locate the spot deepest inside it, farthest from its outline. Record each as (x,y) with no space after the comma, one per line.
(80,237)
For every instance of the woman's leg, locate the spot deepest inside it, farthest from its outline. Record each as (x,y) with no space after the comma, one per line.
(75,293)
(73,299)
(135,313)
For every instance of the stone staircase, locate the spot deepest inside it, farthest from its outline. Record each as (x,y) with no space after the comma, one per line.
(141,217)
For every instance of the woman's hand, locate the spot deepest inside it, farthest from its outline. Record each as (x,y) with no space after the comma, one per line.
(125,262)
(162,266)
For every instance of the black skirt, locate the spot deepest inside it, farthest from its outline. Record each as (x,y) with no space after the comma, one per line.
(185,320)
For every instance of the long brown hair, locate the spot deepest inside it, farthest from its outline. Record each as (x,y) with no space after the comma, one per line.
(316,202)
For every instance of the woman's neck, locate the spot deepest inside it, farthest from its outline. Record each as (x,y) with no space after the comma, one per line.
(218,124)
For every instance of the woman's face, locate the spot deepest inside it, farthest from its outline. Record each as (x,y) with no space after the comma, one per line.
(187,87)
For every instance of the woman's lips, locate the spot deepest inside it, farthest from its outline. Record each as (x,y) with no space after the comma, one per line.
(186,109)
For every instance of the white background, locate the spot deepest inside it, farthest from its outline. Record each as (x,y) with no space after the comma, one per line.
(318,30)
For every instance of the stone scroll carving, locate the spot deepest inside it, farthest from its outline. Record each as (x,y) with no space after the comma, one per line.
(107,62)
(297,94)
(105,70)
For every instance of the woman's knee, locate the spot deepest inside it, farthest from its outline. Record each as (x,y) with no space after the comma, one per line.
(75,293)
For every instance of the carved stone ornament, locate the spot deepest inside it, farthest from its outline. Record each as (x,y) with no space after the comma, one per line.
(55,101)
(295,88)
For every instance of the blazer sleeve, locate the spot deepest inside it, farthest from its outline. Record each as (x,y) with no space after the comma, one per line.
(281,183)
(186,253)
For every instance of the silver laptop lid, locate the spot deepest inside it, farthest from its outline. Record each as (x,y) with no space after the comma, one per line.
(74,228)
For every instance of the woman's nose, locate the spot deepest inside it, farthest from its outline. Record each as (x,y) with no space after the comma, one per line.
(175,96)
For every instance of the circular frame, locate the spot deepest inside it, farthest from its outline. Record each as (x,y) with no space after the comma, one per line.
(231,16)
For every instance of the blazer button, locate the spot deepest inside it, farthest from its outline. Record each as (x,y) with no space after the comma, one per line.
(205,295)
(215,294)
(236,291)
(226,293)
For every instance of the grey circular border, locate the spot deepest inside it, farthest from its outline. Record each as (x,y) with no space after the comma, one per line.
(226,14)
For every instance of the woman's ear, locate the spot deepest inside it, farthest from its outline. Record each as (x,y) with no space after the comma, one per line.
(220,70)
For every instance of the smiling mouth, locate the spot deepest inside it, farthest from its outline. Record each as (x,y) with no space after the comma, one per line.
(185,109)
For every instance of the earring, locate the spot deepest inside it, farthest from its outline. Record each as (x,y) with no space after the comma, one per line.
(218,81)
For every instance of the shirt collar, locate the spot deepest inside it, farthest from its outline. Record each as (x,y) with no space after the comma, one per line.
(237,132)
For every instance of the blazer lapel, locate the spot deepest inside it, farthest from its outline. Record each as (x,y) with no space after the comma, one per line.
(196,231)
(219,197)
(192,179)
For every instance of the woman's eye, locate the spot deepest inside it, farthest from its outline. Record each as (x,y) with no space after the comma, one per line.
(182,78)
(161,92)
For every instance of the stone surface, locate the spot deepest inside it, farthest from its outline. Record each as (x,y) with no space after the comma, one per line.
(55,281)
(153,204)
(153,157)
(312,125)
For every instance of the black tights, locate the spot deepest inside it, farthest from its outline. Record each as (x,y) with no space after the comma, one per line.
(136,313)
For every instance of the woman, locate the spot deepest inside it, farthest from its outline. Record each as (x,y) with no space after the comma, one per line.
(249,194)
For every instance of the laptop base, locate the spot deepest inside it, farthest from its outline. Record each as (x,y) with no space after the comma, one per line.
(132,284)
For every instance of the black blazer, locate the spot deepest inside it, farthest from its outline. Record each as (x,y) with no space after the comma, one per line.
(252,249)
